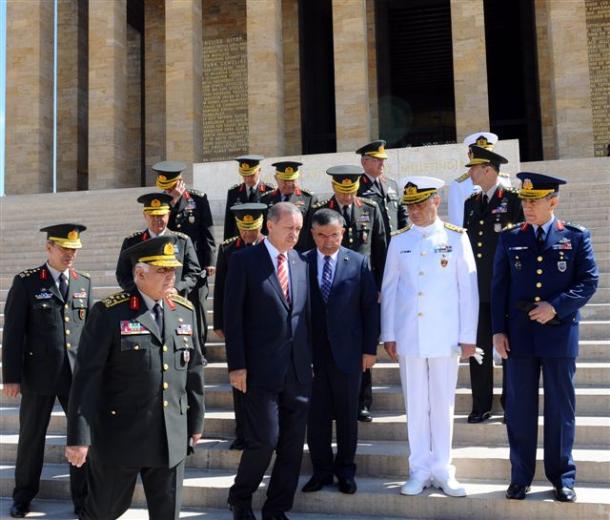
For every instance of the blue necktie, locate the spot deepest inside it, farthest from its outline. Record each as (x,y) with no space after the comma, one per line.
(327,281)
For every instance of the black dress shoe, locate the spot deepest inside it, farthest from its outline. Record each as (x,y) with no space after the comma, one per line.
(19,509)
(238,444)
(565,494)
(364,415)
(275,516)
(475,418)
(242,512)
(316,483)
(347,485)
(517,491)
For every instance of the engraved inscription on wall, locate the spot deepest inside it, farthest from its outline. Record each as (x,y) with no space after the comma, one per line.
(225,98)
(598,35)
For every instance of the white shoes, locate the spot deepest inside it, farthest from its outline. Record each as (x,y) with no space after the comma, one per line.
(450,487)
(414,486)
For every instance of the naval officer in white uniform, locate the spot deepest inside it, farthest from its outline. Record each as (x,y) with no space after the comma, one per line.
(463,187)
(429,312)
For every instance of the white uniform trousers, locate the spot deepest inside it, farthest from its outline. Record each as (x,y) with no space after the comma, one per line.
(428,386)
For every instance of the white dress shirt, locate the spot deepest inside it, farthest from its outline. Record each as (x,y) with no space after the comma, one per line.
(55,274)
(321,262)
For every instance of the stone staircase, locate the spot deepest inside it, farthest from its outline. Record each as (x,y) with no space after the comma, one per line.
(480,451)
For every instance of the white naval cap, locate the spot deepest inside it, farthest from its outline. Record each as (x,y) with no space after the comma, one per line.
(483,139)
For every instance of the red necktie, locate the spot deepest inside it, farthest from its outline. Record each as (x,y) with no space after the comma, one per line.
(282,274)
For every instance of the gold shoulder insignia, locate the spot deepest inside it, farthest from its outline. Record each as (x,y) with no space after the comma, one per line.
(136,234)
(179,234)
(575,227)
(197,193)
(462,177)
(234,186)
(182,301)
(320,203)
(28,272)
(306,191)
(450,226)
(84,275)
(229,240)
(115,299)
(369,202)
(508,227)
(401,230)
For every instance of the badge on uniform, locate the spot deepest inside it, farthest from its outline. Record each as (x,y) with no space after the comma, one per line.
(191,204)
(562,265)
(44,295)
(184,329)
(131,327)
(191,219)
(517,264)
(443,248)
(364,218)
(81,314)
(563,244)
(299,203)
(186,355)
(364,235)
(82,294)
(444,260)
(497,227)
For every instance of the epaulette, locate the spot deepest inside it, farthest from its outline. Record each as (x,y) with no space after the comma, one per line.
(179,234)
(370,202)
(269,185)
(196,192)
(182,301)
(136,234)
(575,227)
(453,227)
(229,240)
(508,227)
(462,177)
(473,195)
(84,275)
(234,186)
(115,299)
(320,203)
(29,272)
(308,192)
(401,230)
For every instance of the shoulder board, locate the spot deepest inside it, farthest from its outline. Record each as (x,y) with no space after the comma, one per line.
(473,195)
(368,201)
(197,193)
(179,234)
(136,234)
(574,227)
(508,227)
(234,186)
(182,301)
(115,299)
(462,177)
(452,227)
(307,192)
(401,230)
(29,272)
(84,275)
(320,203)
(268,194)
(229,240)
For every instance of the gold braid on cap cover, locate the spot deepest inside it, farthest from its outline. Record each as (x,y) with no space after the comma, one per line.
(249,222)
(72,241)
(290,174)
(245,170)
(411,195)
(528,192)
(346,186)
(164,184)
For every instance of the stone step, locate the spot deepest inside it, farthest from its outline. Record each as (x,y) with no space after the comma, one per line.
(376,496)
(386,373)
(380,459)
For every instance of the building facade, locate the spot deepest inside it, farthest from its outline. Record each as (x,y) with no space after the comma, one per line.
(139,81)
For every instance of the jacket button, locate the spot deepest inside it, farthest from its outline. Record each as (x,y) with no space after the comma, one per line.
(113,412)
(537,299)
(479,244)
(480,233)
(67,332)
(67,319)
(538,284)
(538,271)
(423,253)
(539,259)
(421,273)
(479,255)
(137,347)
(420,314)
(165,367)
(164,348)
(420,294)
(165,386)
(481,222)
(68,345)
(165,404)
(65,306)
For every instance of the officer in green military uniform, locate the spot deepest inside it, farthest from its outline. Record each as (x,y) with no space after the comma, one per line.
(46,310)
(156,213)
(288,190)
(137,398)
(249,221)
(191,214)
(250,190)
(486,213)
(365,234)
(375,185)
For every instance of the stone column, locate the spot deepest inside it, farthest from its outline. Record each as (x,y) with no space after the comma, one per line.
(184,83)
(350,46)
(469,67)
(292,77)
(29,97)
(108,95)
(266,120)
(565,90)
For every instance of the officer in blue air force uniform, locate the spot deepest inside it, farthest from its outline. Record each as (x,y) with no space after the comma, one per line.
(544,272)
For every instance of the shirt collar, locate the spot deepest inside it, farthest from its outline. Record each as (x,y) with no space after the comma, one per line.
(491,191)
(429,229)
(546,226)
(150,303)
(55,273)
(153,235)
(322,255)
(272,250)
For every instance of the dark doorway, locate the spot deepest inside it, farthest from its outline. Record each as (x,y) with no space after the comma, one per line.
(318,130)
(415,72)
(512,77)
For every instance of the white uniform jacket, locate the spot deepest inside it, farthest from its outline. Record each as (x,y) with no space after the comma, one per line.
(429,296)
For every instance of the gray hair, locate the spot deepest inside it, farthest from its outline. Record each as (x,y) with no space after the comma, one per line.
(326,216)
(277,211)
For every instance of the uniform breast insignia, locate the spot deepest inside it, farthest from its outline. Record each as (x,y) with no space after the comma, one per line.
(182,301)
(444,260)
(115,299)
(443,248)
(564,244)
(462,177)
(451,227)
(184,329)
(81,294)
(401,230)
(132,327)
(43,295)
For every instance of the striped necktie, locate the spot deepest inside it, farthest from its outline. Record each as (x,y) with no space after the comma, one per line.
(282,275)
(327,281)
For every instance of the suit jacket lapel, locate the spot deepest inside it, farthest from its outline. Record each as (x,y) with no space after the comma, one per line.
(50,284)
(269,272)
(342,258)
(292,273)
(554,235)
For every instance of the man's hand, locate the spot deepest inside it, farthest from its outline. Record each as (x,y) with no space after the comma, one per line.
(390,348)
(11,389)
(368,361)
(195,437)
(468,350)
(76,455)
(220,333)
(237,378)
(543,313)
(211,270)
(177,191)
(501,345)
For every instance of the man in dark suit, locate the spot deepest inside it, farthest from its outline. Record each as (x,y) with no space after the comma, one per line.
(156,213)
(365,234)
(191,214)
(375,185)
(250,190)
(486,213)
(287,174)
(544,272)
(46,309)
(136,404)
(345,310)
(268,342)
(249,220)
